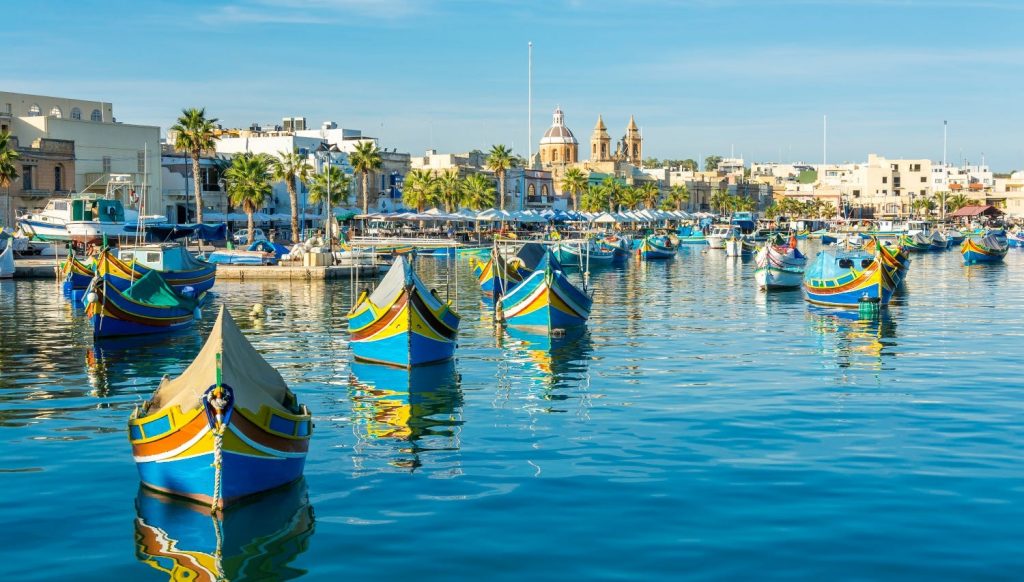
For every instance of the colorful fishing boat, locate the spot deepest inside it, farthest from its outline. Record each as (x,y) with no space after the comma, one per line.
(655,248)
(779,266)
(147,306)
(841,278)
(990,248)
(75,276)
(618,245)
(546,299)
(583,254)
(228,427)
(253,540)
(177,266)
(916,243)
(402,323)
(893,255)
(494,275)
(1015,239)
(938,241)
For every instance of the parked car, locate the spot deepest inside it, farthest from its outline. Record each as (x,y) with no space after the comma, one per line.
(241,237)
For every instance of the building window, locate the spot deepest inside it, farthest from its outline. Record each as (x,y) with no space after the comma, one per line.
(555,156)
(34,111)
(58,182)
(141,158)
(544,190)
(923,179)
(531,191)
(593,149)
(26,177)
(76,113)
(885,179)
(96,115)
(56,112)
(106,164)
(856,193)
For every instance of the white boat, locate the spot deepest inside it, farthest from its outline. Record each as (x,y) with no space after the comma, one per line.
(716,239)
(738,246)
(6,257)
(82,218)
(779,267)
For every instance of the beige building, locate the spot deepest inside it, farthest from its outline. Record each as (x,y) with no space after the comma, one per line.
(102,146)
(46,169)
(558,147)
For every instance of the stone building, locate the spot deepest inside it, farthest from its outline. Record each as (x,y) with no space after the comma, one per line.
(46,170)
(558,147)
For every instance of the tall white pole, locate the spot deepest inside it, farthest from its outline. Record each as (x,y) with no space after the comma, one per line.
(529,101)
(824,142)
(945,136)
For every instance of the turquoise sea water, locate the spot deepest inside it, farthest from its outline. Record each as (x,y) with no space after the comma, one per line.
(697,429)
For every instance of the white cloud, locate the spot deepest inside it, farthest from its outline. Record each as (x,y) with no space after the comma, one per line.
(326,12)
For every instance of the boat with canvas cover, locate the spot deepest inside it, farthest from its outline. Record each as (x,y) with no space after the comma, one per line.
(545,299)
(402,323)
(494,275)
(173,261)
(990,248)
(779,266)
(75,276)
(227,428)
(581,254)
(893,256)
(147,306)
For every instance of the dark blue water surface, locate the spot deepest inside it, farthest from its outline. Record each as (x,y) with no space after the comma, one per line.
(697,429)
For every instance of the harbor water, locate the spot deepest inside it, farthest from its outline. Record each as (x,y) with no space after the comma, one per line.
(698,429)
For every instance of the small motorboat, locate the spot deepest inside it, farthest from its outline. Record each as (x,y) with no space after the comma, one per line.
(779,266)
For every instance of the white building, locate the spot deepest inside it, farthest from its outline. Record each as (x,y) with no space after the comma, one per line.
(103,146)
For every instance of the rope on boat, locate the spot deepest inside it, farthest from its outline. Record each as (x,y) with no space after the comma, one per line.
(218,401)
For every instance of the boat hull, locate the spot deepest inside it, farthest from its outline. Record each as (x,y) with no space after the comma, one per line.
(179,458)
(652,251)
(407,334)
(974,253)
(775,269)
(875,282)
(113,314)
(546,299)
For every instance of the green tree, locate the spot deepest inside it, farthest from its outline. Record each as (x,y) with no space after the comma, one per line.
(419,190)
(689,165)
(743,203)
(449,189)
(334,190)
(249,187)
(828,210)
(499,161)
(194,135)
(365,159)
(678,195)
(925,205)
(8,171)
(652,162)
(631,198)
(772,211)
(574,182)
(478,192)
(613,192)
(289,167)
(956,202)
(711,163)
(721,201)
(595,198)
(649,194)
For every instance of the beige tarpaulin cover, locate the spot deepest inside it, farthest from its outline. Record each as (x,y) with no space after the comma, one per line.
(253,380)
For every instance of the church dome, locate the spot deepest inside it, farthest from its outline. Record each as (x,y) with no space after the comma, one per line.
(558,133)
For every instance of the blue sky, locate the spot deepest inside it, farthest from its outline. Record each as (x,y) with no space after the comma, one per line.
(701,76)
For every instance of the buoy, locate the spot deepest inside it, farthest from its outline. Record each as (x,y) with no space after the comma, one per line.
(868,307)
(257,310)
(90,297)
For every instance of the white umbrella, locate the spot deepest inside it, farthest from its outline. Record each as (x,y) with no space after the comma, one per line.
(604,218)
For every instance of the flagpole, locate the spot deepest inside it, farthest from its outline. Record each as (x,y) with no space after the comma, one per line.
(529,102)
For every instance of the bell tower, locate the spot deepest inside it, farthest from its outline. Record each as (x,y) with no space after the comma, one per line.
(633,143)
(600,143)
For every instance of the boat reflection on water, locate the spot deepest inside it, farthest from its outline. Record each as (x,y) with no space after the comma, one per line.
(555,363)
(421,406)
(148,356)
(859,342)
(253,541)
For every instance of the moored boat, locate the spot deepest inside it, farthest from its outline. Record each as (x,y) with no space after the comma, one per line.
(618,245)
(583,254)
(173,261)
(147,306)
(938,241)
(739,246)
(545,299)
(494,275)
(75,277)
(990,248)
(228,427)
(655,248)
(916,243)
(843,278)
(779,266)
(401,322)
(6,257)
(1015,239)
(716,238)
(893,255)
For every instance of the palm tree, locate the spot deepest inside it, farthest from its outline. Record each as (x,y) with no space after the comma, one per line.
(743,204)
(720,201)
(828,209)
(499,160)
(925,205)
(8,171)
(649,194)
(612,192)
(594,199)
(291,166)
(194,134)
(248,181)
(956,202)
(419,190)
(365,159)
(772,211)
(449,189)
(478,192)
(332,184)
(574,182)
(677,195)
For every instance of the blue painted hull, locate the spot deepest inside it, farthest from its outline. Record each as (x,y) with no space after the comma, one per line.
(546,300)
(405,349)
(850,298)
(242,475)
(973,258)
(111,327)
